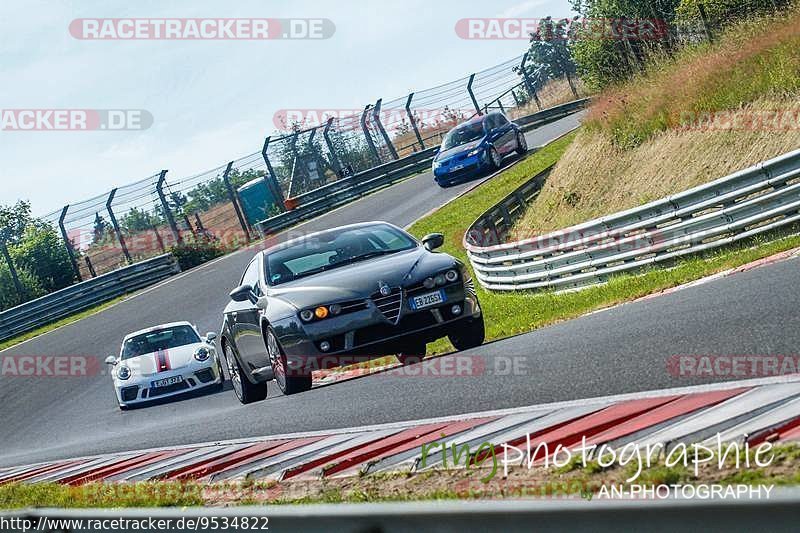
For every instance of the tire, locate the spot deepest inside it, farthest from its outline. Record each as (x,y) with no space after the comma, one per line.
(494,159)
(468,334)
(245,391)
(413,355)
(287,384)
(522,144)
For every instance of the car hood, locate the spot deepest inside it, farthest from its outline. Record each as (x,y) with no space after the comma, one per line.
(164,361)
(463,148)
(360,280)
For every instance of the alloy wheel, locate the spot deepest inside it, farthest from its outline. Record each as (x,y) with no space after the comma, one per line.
(233,371)
(274,352)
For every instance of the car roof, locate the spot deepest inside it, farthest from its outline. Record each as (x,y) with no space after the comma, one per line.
(158,328)
(298,240)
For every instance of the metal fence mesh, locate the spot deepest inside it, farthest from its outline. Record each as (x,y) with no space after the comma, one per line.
(293,164)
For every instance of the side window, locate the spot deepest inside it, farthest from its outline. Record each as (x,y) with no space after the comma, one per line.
(501,121)
(251,277)
(489,124)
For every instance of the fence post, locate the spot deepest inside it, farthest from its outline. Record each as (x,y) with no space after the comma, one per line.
(370,143)
(68,244)
(704,19)
(167,211)
(234,200)
(271,180)
(337,166)
(117,229)
(376,114)
(472,95)
(90,266)
(17,283)
(526,78)
(414,122)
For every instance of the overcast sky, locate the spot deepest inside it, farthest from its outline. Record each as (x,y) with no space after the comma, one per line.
(213,101)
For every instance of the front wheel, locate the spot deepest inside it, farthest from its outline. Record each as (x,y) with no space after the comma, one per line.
(522,143)
(288,384)
(494,159)
(469,333)
(245,391)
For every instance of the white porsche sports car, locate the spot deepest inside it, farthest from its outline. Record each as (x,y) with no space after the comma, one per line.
(164,361)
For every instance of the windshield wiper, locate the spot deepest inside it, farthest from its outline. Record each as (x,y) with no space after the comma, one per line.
(367,255)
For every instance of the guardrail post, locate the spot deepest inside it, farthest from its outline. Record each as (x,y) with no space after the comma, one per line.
(528,84)
(500,103)
(376,114)
(68,244)
(234,200)
(271,180)
(17,284)
(472,95)
(414,122)
(117,230)
(165,206)
(337,166)
(370,143)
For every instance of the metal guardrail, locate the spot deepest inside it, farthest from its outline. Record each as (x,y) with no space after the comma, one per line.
(340,192)
(82,296)
(758,199)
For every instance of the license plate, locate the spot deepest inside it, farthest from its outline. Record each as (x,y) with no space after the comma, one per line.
(427,300)
(166,382)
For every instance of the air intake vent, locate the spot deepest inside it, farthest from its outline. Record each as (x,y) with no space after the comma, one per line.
(390,305)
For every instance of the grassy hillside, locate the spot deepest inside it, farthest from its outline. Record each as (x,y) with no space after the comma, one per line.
(669,128)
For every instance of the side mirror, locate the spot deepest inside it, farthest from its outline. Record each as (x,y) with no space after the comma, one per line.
(432,241)
(111,360)
(210,336)
(242,294)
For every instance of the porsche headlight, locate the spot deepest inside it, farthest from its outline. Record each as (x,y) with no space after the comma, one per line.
(123,373)
(436,164)
(475,152)
(202,354)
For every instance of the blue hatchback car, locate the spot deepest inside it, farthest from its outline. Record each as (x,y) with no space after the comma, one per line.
(477,146)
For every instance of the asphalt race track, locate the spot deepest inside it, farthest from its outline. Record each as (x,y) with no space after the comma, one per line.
(624,349)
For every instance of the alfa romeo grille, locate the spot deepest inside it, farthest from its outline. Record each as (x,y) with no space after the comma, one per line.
(390,305)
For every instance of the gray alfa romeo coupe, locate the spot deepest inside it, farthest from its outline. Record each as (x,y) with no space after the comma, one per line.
(343,295)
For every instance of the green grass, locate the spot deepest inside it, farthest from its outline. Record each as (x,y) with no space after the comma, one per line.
(511,313)
(22,337)
(101,495)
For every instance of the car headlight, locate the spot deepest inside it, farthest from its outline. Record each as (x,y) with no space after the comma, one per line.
(202,354)
(439,279)
(436,164)
(320,312)
(451,276)
(476,151)
(123,373)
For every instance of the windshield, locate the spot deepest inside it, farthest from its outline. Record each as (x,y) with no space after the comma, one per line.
(463,134)
(162,339)
(333,250)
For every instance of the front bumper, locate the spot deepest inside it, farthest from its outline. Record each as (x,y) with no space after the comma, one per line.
(459,168)
(195,376)
(368,333)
